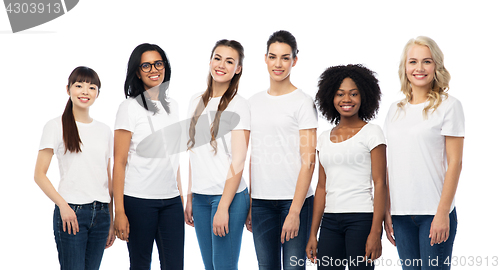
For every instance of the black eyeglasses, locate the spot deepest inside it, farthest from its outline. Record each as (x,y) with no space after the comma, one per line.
(146,67)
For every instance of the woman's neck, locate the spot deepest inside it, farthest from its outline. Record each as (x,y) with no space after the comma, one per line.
(281,88)
(153,92)
(419,95)
(82,115)
(218,89)
(350,122)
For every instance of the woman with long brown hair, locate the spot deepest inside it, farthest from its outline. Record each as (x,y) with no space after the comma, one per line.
(217,201)
(83,220)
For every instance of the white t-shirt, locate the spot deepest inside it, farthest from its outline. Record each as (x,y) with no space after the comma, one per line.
(417,155)
(84,175)
(152,161)
(275,140)
(209,171)
(348,170)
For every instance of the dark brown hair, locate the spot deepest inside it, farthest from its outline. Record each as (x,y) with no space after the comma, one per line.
(71,137)
(225,99)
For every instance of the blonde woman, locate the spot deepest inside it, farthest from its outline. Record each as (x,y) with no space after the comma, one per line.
(425,135)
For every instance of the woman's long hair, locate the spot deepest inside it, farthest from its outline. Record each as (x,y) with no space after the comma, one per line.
(441,80)
(71,137)
(135,87)
(225,99)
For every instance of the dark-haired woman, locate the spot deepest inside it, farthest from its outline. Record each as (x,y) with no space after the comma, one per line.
(145,174)
(351,155)
(218,201)
(83,146)
(283,122)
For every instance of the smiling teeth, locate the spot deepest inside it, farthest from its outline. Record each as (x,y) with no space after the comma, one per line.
(154,77)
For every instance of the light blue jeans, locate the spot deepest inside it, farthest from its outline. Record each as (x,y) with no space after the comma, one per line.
(414,245)
(220,253)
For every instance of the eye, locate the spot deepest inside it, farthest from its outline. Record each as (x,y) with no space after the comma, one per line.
(230,62)
(145,66)
(286,58)
(216,58)
(412,62)
(159,64)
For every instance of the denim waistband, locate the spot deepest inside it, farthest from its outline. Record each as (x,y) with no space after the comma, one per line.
(92,205)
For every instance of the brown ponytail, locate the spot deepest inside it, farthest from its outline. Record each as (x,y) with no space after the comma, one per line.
(70,130)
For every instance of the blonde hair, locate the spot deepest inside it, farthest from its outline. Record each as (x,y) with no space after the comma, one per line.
(441,80)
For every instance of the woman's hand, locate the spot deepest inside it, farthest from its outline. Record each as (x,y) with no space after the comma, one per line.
(248,222)
(69,219)
(111,236)
(373,247)
(221,222)
(290,228)
(188,213)
(389,231)
(440,229)
(122,227)
(311,249)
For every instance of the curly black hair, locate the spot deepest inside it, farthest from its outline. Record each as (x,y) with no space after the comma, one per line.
(330,81)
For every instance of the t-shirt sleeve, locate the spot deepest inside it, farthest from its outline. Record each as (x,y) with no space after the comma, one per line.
(111,143)
(49,136)
(454,120)
(125,117)
(376,137)
(241,117)
(307,115)
(321,138)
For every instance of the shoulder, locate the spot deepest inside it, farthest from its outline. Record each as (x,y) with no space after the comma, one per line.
(54,123)
(451,101)
(237,100)
(373,127)
(101,125)
(257,96)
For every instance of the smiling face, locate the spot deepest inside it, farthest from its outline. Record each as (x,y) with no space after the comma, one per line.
(154,77)
(280,61)
(420,67)
(224,64)
(83,94)
(347,99)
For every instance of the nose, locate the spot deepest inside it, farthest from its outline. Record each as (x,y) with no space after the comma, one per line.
(420,66)
(85,90)
(346,98)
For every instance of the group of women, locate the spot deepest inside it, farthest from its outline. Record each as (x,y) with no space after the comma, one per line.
(411,192)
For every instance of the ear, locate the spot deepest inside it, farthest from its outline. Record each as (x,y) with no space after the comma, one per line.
(67,89)
(138,75)
(238,69)
(265,58)
(295,61)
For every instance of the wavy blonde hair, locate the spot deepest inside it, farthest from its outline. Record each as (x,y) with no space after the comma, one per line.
(441,80)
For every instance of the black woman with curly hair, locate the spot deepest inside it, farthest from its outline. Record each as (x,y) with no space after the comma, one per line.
(351,154)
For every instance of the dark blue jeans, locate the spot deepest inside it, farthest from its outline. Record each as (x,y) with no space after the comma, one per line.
(414,245)
(160,220)
(220,253)
(268,217)
(342,240)
(84,250)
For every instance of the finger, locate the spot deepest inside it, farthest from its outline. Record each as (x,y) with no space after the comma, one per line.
(283,237)
(76,228)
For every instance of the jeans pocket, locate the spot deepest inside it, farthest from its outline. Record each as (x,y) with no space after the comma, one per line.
(75,207)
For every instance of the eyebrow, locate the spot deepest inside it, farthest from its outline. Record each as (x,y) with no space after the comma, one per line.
(427,58)
(354,89)
(223,57)
(287,54)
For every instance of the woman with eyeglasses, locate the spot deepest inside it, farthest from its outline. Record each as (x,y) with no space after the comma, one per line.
(83,213)
(146,170)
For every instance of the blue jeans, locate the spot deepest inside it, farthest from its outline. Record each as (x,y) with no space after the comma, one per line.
(220,252)
(160,220)
(268,217)
(85,249)
(413,242)
(342,240)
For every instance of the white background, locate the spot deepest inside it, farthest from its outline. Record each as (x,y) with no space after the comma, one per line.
(35,65)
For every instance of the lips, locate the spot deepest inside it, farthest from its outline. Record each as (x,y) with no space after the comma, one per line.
(347,107)
(419,76)
(278,71)
(84,99)
(221,73)
(154,78)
